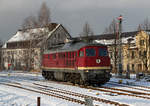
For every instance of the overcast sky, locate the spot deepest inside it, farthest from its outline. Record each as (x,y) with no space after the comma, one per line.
(74,13)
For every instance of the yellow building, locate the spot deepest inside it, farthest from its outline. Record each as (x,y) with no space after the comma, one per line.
(135,50)
(137,55)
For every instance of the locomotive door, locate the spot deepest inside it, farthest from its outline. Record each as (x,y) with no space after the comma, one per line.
(80,59)
(75,60)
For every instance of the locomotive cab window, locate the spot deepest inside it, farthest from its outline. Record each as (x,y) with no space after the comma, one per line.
(90,52)
(102,52)
(81,54)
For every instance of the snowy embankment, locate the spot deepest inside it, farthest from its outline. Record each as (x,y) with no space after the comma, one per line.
(10,96)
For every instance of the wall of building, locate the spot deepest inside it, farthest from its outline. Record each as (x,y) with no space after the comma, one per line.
(134,55)
(18,59)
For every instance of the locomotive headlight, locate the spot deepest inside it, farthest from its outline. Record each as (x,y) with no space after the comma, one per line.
(87,71)
(107,71)
(98,61)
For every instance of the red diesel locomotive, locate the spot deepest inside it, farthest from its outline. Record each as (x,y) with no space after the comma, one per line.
(80,63)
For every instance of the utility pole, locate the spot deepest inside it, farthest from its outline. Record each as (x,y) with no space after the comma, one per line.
(120,47)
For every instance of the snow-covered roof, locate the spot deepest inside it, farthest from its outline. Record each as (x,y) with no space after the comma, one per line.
(111,41)
(133,47)
(148,32)
(4,46)
(22,35)
(108,39)
(105,42)
(125,40)
(25,35)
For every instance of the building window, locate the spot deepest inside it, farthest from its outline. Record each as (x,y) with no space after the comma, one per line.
(133,67)
(132,55)
(141,42)
(144,54)
(139,67)
(140,53)
(59,37)
(128,67)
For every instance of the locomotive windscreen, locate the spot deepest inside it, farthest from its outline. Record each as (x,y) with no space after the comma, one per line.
(102,52)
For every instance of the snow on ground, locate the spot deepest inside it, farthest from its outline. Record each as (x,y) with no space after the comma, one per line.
(10,96)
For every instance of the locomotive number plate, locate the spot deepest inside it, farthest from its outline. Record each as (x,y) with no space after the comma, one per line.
(98,60)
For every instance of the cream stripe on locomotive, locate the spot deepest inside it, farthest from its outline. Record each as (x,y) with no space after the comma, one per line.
(79,68)
(85,68)
(57,68)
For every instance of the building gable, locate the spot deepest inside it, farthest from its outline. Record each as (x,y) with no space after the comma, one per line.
(57,37)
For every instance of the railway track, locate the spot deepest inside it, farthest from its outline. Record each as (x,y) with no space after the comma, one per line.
(128,91)
(47,93)
(134,85)
(81,95)
(59,93)
(113,91)
(127,86)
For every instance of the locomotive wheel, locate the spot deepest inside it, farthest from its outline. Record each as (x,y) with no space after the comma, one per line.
(67,75)
(77,78)
(48,75)
(44,74)
(73,78)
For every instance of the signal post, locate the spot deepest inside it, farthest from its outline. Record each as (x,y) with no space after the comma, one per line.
(120,47)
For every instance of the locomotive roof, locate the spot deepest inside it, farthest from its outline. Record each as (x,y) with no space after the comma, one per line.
(71,46)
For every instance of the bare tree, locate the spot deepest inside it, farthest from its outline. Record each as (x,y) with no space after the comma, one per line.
(41,20)
(145,25)
(112,29)
(44,15)
(87,31)
(139,28)
(30,22)
(35,47)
